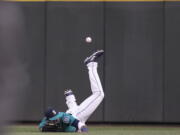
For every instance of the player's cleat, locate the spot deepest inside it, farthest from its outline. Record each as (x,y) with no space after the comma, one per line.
(84,129)
(68,92)
(94,56)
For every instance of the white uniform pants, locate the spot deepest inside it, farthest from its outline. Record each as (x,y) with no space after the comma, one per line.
(83,111)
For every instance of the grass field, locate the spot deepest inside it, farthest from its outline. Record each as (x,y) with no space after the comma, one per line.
(104,130)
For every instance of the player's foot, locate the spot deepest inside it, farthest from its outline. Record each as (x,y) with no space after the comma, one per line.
(94,56)
(84,129)
(68,92)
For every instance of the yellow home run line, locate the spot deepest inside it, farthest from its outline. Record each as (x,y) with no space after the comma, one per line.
(95,0)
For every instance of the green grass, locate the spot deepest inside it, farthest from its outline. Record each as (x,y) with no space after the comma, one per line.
(104,130)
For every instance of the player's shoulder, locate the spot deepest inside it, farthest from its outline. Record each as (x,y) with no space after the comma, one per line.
(57,116)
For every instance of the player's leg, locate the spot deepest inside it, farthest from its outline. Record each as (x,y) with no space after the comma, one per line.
(70,102)
(87,107)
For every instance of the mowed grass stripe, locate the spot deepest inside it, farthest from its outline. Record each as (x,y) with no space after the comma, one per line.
(104,130)
(96,0)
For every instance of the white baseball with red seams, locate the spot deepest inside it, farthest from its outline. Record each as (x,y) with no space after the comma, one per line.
(83,111)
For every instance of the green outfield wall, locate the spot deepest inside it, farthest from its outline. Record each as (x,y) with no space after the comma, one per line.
(139,72)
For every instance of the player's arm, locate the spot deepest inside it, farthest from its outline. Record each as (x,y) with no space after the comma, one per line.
(43,123)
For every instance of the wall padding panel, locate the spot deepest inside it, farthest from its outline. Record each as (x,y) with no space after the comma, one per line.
(133,64)
(172,64)
(33,95)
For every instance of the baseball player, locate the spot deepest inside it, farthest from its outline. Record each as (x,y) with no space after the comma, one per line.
(74,119)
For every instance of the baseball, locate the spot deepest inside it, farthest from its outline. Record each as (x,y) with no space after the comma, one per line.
(88,39)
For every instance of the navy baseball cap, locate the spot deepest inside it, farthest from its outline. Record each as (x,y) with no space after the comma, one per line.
(50,112)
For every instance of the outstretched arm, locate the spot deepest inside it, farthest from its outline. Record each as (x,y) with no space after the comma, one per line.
(43,123)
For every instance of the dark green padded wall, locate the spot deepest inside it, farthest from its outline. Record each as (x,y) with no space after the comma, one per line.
(34,21)
(172,64)
(134,54)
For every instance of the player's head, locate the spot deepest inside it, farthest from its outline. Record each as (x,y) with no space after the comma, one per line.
(49,113)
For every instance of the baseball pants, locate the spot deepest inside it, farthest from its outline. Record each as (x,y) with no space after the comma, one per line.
(83,111)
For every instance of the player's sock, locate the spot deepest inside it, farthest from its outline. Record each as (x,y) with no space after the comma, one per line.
(92,65)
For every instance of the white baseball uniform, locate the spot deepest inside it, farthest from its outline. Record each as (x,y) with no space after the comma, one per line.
(83,111)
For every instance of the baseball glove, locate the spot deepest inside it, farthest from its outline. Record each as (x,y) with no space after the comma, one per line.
(52,126)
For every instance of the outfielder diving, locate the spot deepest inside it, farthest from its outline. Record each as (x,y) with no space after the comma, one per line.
(74,120)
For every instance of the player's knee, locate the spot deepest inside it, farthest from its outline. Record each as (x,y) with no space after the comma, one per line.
(100,94)
(103,95)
